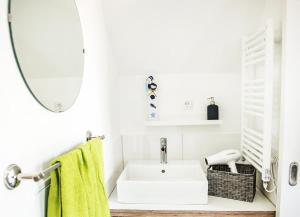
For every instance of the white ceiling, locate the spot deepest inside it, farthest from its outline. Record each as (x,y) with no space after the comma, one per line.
(180,36)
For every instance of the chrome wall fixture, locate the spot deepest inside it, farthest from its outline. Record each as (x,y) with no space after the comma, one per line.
(13,174)
(90,136)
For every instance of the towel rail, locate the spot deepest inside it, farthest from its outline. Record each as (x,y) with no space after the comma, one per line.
(257,98)
(13,174)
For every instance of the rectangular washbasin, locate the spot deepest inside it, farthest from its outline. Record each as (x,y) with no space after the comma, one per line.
(178,182)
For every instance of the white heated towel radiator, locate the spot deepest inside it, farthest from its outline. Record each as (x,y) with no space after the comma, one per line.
(257,99)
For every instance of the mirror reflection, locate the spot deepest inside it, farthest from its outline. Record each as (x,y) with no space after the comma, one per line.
(48,46)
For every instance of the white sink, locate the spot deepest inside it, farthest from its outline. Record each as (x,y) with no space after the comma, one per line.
(183,182)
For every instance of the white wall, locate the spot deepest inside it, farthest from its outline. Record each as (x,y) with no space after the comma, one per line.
(193,49)
(173,90)
(273,10)
(31,136)
(183,36)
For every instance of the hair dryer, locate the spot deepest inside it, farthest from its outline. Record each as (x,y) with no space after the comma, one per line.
(228,157)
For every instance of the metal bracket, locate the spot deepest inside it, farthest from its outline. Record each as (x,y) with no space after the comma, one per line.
(90,136)
(267,175)
(9,17)
(11,180)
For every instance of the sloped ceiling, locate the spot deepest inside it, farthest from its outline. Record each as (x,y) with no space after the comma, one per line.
(180,36)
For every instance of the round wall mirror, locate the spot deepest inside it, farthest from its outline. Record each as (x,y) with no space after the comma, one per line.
(47,41)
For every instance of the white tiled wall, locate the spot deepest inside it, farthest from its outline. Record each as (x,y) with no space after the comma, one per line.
(181,146)
(147,146)
(201,145)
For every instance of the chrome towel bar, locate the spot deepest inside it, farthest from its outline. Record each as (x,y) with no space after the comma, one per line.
(13,174)
(90,136)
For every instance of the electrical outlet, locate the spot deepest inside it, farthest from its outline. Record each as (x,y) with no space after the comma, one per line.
(188,104)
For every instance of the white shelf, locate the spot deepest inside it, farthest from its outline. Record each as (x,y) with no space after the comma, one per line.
(182,122)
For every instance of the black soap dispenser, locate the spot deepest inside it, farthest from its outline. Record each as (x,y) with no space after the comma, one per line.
(212,110)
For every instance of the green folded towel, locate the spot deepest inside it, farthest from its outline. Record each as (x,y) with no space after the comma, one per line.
(77,186)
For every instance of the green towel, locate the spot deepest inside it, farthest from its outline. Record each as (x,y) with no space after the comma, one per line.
(77,186)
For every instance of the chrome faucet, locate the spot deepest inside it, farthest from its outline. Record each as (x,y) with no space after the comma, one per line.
(163,150)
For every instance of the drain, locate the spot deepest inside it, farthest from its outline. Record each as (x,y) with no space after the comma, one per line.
(163,171)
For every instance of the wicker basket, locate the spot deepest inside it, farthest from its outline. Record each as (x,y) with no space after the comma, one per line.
(237,186)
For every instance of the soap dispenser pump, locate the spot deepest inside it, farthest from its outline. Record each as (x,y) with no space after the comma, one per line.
(212,110)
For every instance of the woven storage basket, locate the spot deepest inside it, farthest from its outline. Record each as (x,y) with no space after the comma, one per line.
(237,186)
